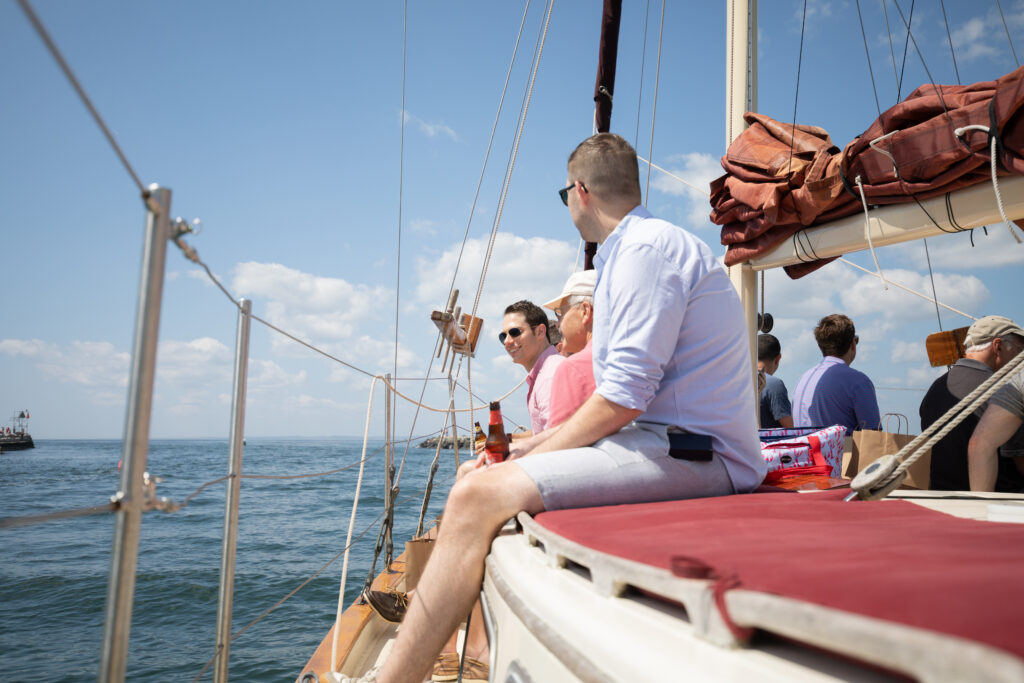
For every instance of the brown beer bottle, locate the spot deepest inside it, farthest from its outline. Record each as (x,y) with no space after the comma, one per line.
(496,447)
(479,438)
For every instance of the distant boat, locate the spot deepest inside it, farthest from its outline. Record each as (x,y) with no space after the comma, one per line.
(16,436)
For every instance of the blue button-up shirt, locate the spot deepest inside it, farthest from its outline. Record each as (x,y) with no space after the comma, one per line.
(670,339)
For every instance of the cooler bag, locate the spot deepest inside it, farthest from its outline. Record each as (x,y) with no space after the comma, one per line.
(801,451)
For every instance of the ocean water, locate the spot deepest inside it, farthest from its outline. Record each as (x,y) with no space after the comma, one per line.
(53,576)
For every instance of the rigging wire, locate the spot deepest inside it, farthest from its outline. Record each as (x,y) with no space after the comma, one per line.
(907,289)
(892,50)
(640,95)
(931,276)
(401,178)
(524,109)
(906,45)
(1008,38)
(476,196)
(867,53)
(924,64)
(654,106)
(796,96)
(670,174)
(949,37)
(52,47)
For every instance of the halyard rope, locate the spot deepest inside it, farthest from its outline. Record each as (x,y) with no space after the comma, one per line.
(351,525)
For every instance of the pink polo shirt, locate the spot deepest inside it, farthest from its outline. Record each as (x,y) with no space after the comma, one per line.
(538,397)
(573,384)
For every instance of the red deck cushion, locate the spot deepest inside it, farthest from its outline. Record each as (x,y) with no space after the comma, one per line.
(891,560)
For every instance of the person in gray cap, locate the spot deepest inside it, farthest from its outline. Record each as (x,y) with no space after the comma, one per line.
(990,344)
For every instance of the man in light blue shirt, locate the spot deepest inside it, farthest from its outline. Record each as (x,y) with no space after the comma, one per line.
(673,415)
(833,393)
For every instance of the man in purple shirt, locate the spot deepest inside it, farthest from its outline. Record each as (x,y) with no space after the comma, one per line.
(832,392)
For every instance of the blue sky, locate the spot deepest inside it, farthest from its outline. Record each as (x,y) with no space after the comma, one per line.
(279,126)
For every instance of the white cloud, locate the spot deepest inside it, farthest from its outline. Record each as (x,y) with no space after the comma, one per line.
(311,307)
(866,295)
(265,375)
(200,361)
(907,352)
(423,227)
(430,129)
(954,252)
(698,170)
(984,36)
(90,364)
(305,402)
(922,376)
(521,268)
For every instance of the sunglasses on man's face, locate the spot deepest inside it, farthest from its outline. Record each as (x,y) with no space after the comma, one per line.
(513,332)
(564,192)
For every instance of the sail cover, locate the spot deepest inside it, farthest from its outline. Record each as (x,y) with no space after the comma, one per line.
(781,177)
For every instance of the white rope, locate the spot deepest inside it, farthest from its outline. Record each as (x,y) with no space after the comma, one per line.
(959,132)
(910,453)
(867,233)
(908,289)
(445,409)
(351,524)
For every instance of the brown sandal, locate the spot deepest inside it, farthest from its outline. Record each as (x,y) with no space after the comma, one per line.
(446,668)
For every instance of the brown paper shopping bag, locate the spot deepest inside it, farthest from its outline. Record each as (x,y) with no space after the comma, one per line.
(869,445)
(417,552)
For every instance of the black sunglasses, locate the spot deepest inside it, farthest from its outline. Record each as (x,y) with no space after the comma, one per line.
(513,332)
(564,192)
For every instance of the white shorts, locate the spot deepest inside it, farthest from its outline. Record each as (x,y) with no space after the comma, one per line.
(630,466)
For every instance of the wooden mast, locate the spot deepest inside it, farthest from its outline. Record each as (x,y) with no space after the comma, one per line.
(604,87)
(741,96)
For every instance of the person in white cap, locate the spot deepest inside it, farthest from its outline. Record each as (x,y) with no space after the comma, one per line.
(991,342)
(573,382)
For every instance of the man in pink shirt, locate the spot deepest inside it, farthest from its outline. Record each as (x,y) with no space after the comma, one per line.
(524,336)
(573,382)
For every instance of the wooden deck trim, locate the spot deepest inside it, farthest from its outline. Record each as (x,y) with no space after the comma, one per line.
(352,625)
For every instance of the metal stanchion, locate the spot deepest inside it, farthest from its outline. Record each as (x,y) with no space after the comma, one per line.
(230,543)
(125,550)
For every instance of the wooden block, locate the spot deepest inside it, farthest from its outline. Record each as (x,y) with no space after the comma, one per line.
(947,347)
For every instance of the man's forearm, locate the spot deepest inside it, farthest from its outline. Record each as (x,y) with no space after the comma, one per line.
(521,447)
(982,467)
(596,418)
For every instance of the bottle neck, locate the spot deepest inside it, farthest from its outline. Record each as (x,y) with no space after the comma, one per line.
(495,418)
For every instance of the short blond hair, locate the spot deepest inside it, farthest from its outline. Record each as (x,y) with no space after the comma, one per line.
(608,167)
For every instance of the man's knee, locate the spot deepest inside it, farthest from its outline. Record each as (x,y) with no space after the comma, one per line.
(492,496)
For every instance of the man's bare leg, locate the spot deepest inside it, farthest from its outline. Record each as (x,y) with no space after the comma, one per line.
(477,508)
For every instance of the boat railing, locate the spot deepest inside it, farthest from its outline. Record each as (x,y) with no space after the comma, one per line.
(137,489)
